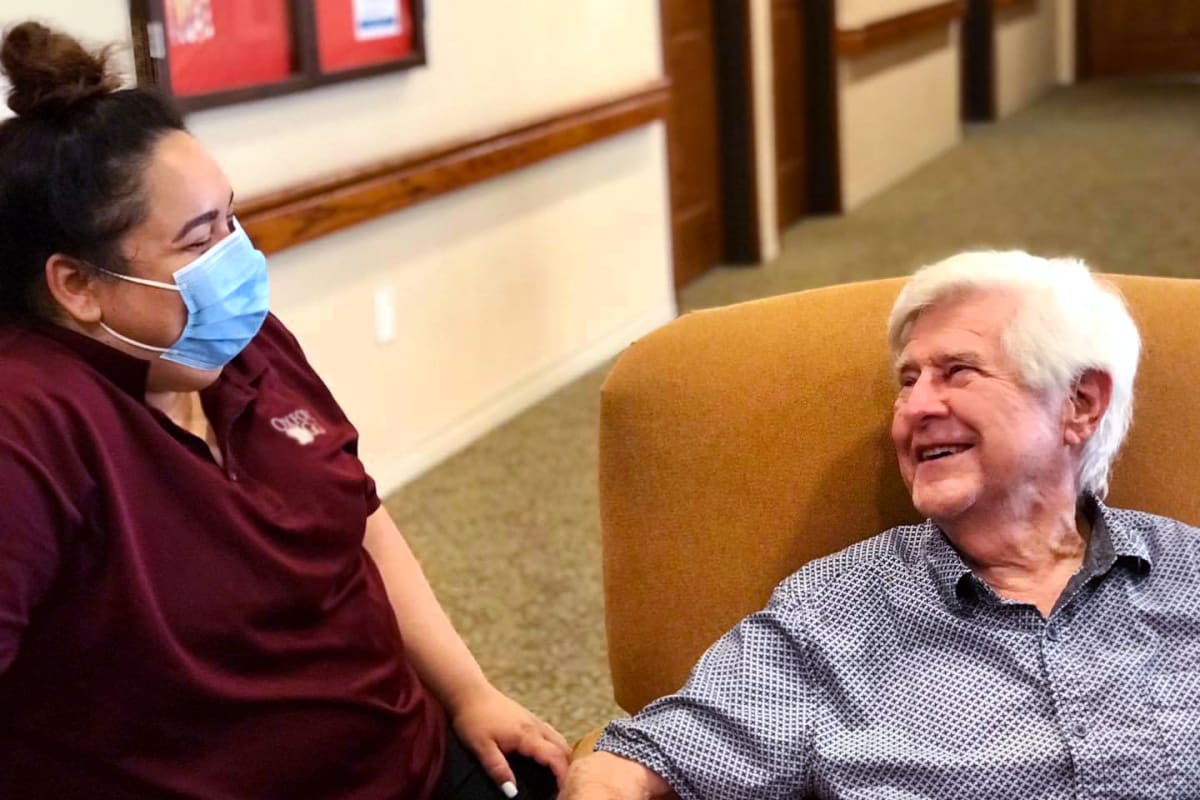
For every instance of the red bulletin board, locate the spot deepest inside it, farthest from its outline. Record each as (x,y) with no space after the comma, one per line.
(210,53)
(349,37)
(217,45)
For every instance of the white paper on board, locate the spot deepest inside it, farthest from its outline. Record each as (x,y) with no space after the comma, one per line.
(376,19)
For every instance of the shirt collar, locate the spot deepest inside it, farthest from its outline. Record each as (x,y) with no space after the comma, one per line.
(1111,540)
(949,572)
(1125,541)
(246,367)
(122,369)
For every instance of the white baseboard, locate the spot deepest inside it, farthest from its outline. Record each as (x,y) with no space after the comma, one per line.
(392,473)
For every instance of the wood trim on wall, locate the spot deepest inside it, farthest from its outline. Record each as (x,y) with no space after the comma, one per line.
(309,210)
(1024,5)
(893,30)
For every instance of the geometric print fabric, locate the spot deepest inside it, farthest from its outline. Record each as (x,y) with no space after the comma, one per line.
(889,671)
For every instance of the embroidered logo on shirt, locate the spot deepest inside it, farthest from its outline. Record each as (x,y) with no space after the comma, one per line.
(300,425)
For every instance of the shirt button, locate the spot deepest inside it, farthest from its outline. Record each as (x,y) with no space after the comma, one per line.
(233,476)
(1052,634)
(1079,730)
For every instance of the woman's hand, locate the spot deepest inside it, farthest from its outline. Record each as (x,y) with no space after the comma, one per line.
(491,724)
(486,721)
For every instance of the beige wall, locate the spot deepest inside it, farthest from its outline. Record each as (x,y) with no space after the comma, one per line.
(491,65)
(1025,56)
(897,107)
(900,107)
(503,291)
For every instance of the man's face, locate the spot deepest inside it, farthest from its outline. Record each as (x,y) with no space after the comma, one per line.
(969,436)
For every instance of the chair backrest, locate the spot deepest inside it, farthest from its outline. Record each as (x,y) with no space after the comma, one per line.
(736,444)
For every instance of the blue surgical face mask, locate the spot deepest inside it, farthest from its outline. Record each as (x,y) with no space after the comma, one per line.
(227,296)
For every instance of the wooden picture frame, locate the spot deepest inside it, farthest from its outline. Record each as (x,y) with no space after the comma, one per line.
(207,53)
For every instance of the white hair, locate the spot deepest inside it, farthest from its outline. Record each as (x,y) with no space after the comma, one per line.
(1067,322)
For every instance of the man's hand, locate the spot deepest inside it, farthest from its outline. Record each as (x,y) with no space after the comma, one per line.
(491,724)
(604,776)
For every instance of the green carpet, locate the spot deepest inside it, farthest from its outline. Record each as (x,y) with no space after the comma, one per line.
(508,528)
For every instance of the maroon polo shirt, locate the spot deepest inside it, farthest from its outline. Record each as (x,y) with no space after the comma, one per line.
(170,627)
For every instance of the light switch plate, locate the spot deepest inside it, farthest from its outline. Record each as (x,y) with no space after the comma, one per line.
(385,315)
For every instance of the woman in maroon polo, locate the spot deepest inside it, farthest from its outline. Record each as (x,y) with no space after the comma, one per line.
(200,595)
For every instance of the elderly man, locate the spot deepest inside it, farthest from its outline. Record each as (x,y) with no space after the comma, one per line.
(1026,641)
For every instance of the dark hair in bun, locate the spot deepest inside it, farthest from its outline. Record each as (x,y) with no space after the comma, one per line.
(71,161)
(49,71)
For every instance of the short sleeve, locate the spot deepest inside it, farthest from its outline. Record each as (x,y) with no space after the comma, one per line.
(739,729)
(372,495)
(36,520)
(277,335)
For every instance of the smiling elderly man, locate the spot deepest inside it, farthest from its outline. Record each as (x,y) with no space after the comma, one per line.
(1026,641)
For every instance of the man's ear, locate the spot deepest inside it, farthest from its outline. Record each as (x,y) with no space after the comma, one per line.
(72,286)
(1085,406)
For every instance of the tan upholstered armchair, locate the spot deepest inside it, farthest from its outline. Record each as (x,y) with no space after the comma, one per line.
(739,443)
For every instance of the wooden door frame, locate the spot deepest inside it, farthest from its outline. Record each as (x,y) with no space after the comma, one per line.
(978,80)
(685,267)
(1083,54)
(737,134)
(821,100)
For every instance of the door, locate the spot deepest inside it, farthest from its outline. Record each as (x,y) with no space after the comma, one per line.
(692,137)
(1138,37)
(791,176)
(978,102)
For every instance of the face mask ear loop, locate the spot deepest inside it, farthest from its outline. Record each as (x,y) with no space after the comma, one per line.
(133,342)
(143,281)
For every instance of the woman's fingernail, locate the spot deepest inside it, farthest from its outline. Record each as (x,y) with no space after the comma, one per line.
(509,788)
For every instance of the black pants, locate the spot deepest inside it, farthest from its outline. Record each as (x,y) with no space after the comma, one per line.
(463,777)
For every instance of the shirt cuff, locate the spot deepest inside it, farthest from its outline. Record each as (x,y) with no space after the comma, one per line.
(623,738)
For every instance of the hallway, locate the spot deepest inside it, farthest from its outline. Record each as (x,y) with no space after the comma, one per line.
(508,528)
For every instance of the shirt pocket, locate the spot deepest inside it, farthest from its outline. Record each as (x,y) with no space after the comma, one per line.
(1179,689)
(1175,698)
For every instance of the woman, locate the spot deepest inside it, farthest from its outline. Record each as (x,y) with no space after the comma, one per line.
(200,595)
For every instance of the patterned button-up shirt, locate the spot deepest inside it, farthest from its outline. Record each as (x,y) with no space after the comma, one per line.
(889,670)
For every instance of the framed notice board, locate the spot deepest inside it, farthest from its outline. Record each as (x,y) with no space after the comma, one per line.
(213,52)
